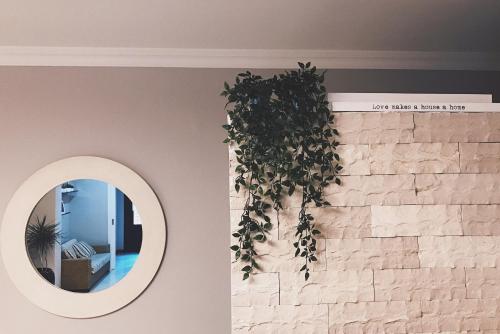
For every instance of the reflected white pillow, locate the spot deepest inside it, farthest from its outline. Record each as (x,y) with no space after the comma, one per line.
(90,250)
(70,253)
(82,251)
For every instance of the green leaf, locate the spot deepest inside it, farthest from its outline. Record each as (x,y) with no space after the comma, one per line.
(246,269)
(255,265)
(235,247)
(260,237)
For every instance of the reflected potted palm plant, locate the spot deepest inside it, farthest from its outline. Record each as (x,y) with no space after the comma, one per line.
(41,238)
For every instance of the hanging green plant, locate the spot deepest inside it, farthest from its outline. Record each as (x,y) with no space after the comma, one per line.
(284,139)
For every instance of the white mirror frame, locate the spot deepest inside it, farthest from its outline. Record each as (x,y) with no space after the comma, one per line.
(71,304)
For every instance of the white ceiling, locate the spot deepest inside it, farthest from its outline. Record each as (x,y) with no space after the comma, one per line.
(430,26)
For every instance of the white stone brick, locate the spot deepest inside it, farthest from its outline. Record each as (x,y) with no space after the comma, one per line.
(373,190)
(375,317)
(416,220)
(480,157)
(332,222)
(481,219)
(458,188)
(459,251)
(260,289)
(442,127)
(326,287)
(354,159)
(459,315)
(282,319)
(373,127)
(483,282)
(414,158)
(372,253)
(419,284)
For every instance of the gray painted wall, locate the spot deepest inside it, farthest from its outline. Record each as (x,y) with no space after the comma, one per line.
(398,81)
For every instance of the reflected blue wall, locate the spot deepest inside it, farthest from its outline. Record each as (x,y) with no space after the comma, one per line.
(88,220)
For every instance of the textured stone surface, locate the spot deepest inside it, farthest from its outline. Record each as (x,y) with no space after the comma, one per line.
(282,319)
(279,256)
(260,289)
(411,244)
(419,284)
(232,159)
(459,315)
(332,222)
(416,220)
(414,158)
(480,157)
(456,127)
(356,190)
(236,201)
(481,219)
(373,190)
(326,287)
(483,282)
(372,253)
(232,174)
(374,128)
(375,317)
(465,251)
(458,188)
(354,159)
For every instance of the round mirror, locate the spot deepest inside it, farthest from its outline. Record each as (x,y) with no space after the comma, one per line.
(84,235)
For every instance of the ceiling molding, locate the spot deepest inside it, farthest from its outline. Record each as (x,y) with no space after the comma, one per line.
(238,58)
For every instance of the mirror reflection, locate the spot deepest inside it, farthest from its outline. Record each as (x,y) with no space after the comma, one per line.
(84,236)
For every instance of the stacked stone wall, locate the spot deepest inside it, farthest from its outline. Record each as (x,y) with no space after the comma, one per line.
(410,245)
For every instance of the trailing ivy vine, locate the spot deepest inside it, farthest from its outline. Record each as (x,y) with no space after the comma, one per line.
(284,139)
